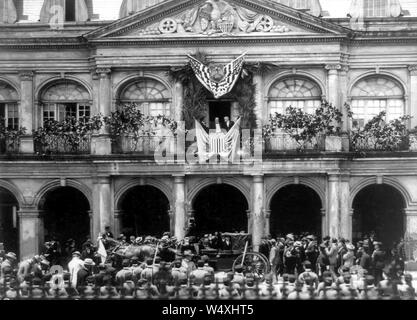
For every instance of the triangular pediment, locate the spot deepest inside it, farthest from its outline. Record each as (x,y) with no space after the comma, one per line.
(216,18)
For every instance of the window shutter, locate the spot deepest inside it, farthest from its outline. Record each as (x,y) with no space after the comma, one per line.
(8,13)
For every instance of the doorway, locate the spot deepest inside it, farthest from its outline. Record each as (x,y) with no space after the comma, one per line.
(219,109)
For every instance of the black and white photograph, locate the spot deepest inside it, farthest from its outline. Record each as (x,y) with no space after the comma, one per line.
(222,152)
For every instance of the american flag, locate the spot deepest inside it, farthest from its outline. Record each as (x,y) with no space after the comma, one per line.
(219,88)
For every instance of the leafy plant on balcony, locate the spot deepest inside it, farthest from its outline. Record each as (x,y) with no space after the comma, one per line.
(303,127)
(378,134)
(9,137)
(68,134)
(129,121)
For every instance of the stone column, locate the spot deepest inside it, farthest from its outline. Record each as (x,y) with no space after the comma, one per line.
(413,94)
(258,82)
(411,233)
(324,228)
(333,84)
(102,211)
(179,101)
(258,211)
(179,207)
(30,233)
(26,111)
(267,227)
(101,144)
(333,206)
(344,97)
(345,212)
(118,225)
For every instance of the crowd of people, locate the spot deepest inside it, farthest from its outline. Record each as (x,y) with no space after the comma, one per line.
(301,267)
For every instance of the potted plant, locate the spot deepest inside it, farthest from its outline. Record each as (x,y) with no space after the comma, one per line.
(10,138)
(328,120)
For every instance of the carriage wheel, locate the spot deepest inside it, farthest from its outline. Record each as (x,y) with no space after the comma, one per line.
(255,263)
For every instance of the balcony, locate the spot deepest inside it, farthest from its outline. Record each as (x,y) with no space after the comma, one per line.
(144,145)
(282,142)
(63,145)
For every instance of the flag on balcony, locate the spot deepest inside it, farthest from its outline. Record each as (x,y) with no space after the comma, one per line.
(101,250)
(218,79)
(218,143)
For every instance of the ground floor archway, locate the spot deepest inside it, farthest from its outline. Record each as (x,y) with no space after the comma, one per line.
(9,221)
(66,216)
(145,212)
(220,208)
(295,209)
(379,209)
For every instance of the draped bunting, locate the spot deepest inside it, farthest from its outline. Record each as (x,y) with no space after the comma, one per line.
(47,12)
(231,74)
(224,144)
(8,12)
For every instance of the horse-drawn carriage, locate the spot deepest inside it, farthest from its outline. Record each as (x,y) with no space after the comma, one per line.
(239,254)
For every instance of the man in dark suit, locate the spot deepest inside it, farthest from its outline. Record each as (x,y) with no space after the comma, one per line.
(228,124)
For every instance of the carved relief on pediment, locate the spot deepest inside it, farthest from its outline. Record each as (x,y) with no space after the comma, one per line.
(215,17)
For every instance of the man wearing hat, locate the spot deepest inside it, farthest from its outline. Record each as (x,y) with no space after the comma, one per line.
(9,262)
(187,262)
(148,272)
(378,259)
(85,272)
(349,256)
(27,267)
(124,273)
(199,273)
(75,265)
(309,275)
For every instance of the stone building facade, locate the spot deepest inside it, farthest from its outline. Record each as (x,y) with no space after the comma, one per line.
(87,66)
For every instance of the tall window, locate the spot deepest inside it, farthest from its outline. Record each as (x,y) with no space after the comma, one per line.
(9,110)
(376,8)
(152,97)
(66,99)
(296,92)
(373,95)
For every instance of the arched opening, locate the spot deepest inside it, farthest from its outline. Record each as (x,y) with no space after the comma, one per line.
(145,212)
(9,114)
(298,92)
(296,209)
(375,94)
(66,216)
(220,208)
(9,224)
(379,209)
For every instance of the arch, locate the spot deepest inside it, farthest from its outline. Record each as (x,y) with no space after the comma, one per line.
(196,189)
(124,83)
(380,74)
(55,184)
(299,73)
(44,86)
(303,181)
(12,85)
(386,180)
(122,191)
(13,189)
